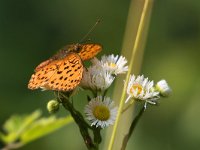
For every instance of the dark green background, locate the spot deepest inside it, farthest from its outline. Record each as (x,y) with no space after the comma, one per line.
(31,31)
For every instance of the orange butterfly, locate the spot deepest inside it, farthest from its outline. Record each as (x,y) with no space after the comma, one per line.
(63,71)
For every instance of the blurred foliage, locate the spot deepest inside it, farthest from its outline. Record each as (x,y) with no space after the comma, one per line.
(31,31)
(20,130)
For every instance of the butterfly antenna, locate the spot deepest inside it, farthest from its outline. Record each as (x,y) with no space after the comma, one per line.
(90,31)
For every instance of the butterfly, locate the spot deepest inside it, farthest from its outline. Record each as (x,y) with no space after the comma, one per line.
(64,70)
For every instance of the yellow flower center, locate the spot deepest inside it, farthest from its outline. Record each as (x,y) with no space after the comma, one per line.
(137,87)
(101,112)
(112,65)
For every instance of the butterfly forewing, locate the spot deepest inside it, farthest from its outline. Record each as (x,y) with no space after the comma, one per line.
(61,75)
(69,74)
(88,51)
(85,51)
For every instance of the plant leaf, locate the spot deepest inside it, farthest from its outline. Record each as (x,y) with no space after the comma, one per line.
(16,125)
(22,129)
(43,127)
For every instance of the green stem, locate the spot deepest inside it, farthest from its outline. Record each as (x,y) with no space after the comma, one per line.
(97,136)
(137,46)
(83,126)
(104,93)
(129,105)
(132,127)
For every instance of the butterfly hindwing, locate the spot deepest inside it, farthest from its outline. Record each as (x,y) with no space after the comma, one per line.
(61,75)
(41,77)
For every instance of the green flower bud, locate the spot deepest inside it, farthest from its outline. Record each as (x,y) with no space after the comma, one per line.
(53,106)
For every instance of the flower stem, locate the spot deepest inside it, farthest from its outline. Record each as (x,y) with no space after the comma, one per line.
(97,136)
(83,126)
(132,127)
(127,107)
(136,45)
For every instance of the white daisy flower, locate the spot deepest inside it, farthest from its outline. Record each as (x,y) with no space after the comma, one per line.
(96,78)
(86,80)
(163,88)
(101,81)
(101,112)
(114,64)
(141,88)
(97,65)
(96,62)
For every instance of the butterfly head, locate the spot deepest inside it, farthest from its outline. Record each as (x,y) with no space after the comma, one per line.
(72,48)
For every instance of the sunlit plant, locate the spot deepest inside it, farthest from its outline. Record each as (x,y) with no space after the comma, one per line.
(65,73)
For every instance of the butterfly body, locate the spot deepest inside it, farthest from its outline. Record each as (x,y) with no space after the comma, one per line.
(63,71)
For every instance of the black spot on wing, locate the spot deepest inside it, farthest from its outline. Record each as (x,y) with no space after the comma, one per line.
(66,68)
(59,72)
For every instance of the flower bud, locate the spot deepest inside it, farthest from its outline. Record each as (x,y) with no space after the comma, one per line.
(163,88)
(53,106)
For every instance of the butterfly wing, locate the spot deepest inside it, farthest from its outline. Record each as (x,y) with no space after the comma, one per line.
(42,76)
(88,51)
(85,51)
(69,74)
(60,75)
(42,64)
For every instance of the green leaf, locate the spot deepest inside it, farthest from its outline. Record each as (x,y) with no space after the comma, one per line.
(23,129)
(16,125)
(2,137)
(43,127)
(17,122)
